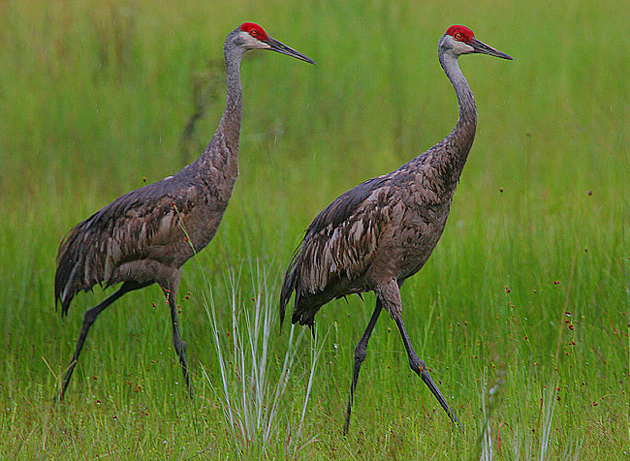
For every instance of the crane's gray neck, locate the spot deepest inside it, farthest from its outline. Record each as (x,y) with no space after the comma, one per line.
(230,124)
(222,152)
(460,140)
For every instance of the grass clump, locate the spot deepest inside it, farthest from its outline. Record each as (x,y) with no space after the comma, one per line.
(256,372)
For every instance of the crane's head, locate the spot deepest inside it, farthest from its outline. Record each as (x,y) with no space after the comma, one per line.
(460,40)
(250,36)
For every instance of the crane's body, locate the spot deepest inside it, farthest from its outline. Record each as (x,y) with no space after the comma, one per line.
(376,235)
(150,231)
(383,229)
(146,235)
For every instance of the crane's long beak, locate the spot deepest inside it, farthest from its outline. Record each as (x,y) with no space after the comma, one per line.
(275,45)
(481,47)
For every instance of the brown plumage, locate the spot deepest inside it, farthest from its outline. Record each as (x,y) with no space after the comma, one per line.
(146,235)
(376,235)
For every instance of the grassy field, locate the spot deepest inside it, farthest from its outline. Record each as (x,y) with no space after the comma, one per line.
(522,313)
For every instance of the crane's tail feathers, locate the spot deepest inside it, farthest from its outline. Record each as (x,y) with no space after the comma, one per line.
(306,301)
(78,266)
(67,265)
(289,285)
(285,295)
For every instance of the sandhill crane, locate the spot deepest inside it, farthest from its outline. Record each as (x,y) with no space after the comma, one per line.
(146,235)
(376,235)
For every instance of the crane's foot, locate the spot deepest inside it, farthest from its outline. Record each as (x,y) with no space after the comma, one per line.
(185,372)
(66,380)
(346,424)
(426,377)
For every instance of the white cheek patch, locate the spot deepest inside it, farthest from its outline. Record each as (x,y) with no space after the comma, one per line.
(462,48)
(245,39)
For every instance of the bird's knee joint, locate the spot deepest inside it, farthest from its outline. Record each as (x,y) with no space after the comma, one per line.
(417,365)
(359,354)
(89,319)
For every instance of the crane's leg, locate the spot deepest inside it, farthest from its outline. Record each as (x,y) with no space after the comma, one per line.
(88,319)
(170,292)
(360,353)
(390,295)
(420,368)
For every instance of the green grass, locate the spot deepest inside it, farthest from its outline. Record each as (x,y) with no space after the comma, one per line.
(527,293)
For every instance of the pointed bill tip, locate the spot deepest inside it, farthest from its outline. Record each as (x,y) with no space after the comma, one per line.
(279,47)
(481,47)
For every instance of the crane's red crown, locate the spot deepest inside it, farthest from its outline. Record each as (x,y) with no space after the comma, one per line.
(461,33)
(254,30)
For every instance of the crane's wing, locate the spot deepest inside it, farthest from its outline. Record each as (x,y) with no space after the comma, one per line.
(138,225)
(337,248)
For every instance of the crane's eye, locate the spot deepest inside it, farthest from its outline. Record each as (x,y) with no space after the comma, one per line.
(459,36)
(254,33)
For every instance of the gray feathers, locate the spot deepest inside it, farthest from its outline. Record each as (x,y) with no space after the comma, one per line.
(385,227)
(163,223)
